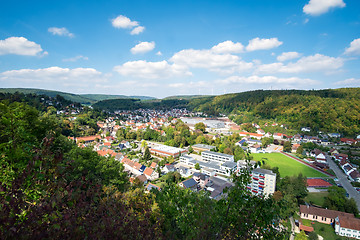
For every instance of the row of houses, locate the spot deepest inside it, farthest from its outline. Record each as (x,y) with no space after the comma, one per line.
(345,224)
(138,169)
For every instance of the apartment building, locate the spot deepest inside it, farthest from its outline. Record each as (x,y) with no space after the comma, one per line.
(263,182)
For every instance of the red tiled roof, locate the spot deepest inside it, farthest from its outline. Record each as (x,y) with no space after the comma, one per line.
(306,228)
(88,138)
(318,183)
(148,171)
(153,165)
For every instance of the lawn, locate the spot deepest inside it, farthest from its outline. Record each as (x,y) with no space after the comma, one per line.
(316,198)
(286,165)
(324,230)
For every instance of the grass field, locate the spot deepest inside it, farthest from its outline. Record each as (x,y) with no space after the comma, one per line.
(316,198)
(286,165)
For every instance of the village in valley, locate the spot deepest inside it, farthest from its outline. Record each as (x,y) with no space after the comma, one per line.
(222,148)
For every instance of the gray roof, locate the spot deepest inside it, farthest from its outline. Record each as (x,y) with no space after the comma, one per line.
(218,154)
(209,147)
(229,164)
(264,171)
(189,183)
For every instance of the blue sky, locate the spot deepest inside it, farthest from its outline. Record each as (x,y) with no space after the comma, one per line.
(162,48)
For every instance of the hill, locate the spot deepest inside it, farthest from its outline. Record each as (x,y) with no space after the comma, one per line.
(50,93)
(132,104)
(180,97)
(81,98)
(101,97)
(330,110)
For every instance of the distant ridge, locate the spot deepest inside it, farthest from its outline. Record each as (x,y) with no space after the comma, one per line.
(81,98)
(186,96)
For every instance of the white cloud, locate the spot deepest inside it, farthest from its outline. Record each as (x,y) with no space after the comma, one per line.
(123,22)
(350,82)
(318,7)
(159,53)
(266,80)
(74,59)
(263,44)
(151,70)
(223,63)
(54,78)
(189,85)
(137,30)
(20,46)
(288,56)
(314,63)
(61,32)
(143,47)
(228,47)
(354,48)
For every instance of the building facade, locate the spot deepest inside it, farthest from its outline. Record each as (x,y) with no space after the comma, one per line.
(263,182)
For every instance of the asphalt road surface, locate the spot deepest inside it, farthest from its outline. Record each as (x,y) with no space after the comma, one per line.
(345,182)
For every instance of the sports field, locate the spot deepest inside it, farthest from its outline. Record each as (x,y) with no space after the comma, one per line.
(286,165)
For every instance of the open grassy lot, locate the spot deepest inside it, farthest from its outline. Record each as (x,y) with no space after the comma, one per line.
(324,230)
(286,165)
(316,198)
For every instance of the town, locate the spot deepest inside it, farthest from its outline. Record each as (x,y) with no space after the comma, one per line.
(202,153)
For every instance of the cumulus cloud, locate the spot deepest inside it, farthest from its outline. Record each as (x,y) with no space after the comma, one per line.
(314,63)
(354,48)
(159,53)
(20,46)
(223,63)
(350,82)
(54,77)
(288,56)
(228,47)
(265,80)
(318,7)
(189,85)
(123,22)
(262,44)
(151,70)
(137,30)
(74,59)
(143,47)
(61,32)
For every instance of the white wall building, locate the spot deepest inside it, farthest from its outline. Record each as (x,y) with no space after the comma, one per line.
(348,227)
(217,157)
(263,182)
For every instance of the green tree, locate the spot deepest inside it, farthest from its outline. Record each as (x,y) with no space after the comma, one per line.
(300,150)
(147,154)
(197,166)
(301,236)
(200,126)
(287,146)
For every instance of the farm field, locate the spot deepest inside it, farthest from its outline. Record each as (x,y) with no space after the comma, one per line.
(286,165)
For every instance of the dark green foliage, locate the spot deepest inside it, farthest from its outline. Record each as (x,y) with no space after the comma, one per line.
(147,154)
(331,110)
(133,104)
(200,126)
(287,146)
(336,200)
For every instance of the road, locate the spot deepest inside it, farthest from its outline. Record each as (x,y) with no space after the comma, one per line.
(345,182)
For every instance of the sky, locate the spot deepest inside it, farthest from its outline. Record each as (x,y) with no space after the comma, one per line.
(179,47)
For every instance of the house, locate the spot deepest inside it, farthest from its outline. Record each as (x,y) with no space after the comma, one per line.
(279,136)
(151,186)
(168,168)
(340,156)
(241,142)
(255,148)
(184,172)
(321,215)
(189,184)
(142,179)
(201,178)
(153,165)
(333,151)
(348,141)
(216,187)
(347,226)
(151,174)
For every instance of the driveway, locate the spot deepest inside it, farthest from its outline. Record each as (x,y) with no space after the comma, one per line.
(345,182)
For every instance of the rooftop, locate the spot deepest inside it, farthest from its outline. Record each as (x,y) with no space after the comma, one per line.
(168,149)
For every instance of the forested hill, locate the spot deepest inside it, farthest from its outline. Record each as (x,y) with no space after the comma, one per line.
(331,110)
(133,104)
(80,98)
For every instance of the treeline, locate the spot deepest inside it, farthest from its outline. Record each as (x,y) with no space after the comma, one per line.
(133,104)
(331,110)
(52,189)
